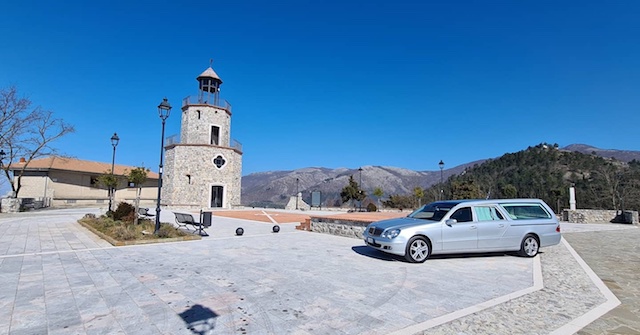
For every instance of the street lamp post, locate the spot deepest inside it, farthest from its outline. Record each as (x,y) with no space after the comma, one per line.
(114,142)
(163,111)
(441,165)
(360,187)
(297,191)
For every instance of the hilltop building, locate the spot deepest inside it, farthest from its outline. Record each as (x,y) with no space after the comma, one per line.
(69,182)
(204,168)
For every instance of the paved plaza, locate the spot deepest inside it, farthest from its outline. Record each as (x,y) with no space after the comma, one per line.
(56,277)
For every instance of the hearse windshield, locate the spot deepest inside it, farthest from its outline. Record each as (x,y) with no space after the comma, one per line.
(433,211)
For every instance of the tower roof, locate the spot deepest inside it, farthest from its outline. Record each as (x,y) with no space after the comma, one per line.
(209,73)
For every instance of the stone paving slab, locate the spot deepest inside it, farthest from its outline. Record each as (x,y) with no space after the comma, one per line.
(66,282)
(615,256)
(46,231)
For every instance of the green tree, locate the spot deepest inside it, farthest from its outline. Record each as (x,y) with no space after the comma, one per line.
(137,177)
(509,191)
(418,192)
(352,192)
(378,193)
(466,189)
(399,201)
(110,182)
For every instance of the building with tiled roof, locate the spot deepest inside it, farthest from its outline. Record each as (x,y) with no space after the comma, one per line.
(69,182)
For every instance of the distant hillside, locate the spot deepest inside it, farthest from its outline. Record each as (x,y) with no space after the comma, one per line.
(274,188)
(546,172)
(621,155)
(543,171)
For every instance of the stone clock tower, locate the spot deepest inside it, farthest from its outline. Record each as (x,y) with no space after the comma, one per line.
(204,169)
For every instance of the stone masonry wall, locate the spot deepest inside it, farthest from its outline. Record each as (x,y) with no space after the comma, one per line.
(197,121)
(594,216)
(346,228)
(190,173)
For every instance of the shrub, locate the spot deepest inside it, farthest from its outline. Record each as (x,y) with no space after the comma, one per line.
(124,212)
(167,230)
(371,207)
(124,233)
(107,223)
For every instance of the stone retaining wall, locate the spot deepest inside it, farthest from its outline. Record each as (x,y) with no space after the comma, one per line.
(346,228)
(598,216)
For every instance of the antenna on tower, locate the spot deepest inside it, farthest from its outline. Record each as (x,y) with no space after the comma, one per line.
(210,62)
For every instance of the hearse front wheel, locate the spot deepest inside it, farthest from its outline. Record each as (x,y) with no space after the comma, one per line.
(418,250)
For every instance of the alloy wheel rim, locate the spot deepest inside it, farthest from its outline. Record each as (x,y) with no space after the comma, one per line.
(531,246)
(419,250)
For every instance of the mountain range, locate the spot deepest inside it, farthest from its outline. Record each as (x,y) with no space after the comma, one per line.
(274,188)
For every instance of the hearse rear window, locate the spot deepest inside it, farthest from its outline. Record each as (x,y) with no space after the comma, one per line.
(526,211)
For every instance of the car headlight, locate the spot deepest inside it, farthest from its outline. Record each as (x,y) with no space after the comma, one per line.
(391,233)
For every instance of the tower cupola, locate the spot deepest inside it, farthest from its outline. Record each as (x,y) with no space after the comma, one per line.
(209,87)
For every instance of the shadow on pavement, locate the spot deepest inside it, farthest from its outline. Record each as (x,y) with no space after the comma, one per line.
(373,253)
(199,319)
(471,255)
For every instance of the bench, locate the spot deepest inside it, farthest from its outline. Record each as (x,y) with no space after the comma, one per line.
(184,219)
(143,213)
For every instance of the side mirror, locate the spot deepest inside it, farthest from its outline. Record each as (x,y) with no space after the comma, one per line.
(451,222)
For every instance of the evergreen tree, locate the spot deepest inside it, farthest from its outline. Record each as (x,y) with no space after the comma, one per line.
(352,192)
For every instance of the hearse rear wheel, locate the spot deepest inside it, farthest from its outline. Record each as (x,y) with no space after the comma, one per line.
(530,246)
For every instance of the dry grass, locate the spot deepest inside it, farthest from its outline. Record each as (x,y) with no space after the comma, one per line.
(123,231)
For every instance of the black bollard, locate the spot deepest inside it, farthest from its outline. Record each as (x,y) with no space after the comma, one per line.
(239,231)
(276,228)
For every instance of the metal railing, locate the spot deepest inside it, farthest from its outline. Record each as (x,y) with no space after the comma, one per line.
(236,145)
(172,139)
(196,100)
(175,139)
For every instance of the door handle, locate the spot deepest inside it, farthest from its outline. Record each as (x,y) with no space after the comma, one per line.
(472,227)
(501,225)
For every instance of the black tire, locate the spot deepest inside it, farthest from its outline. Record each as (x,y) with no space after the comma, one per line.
(418,250)
(530,246)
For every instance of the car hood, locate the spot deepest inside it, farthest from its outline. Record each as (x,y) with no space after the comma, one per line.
(400,223)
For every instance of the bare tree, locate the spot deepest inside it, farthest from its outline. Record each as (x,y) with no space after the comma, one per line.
(25,132)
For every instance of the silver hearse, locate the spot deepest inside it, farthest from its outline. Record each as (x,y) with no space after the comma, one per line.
(465,226)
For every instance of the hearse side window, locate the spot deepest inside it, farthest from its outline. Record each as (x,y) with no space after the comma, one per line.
(462,215)
(526,211)
(488,213)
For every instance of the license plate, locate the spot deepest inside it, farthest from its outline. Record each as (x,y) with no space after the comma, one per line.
(370,240)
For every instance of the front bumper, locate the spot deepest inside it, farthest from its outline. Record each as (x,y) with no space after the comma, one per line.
(396,246)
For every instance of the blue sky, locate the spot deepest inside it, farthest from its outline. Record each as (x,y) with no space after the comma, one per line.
(334,83)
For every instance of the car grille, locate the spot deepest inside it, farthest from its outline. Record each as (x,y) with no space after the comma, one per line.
(374,231)
(374,244)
